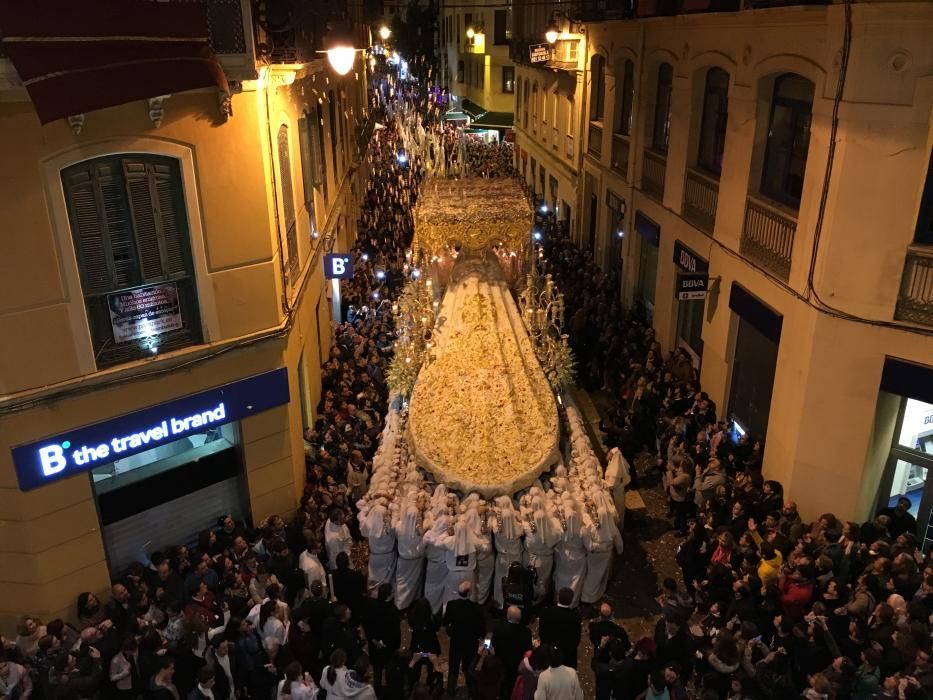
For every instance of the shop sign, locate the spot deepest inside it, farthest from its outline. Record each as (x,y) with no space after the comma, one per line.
(338,266)
(692,285)
(687,260)
(539,53)
(510,135)
(144,312)
(81,449)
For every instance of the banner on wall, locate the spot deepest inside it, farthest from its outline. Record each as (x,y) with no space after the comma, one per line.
(144,312)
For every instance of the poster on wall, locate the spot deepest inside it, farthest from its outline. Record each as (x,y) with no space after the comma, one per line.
(144,312)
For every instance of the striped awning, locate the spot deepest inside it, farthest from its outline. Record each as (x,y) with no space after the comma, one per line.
(75,56)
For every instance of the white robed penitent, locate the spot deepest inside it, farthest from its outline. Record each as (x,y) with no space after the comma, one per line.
(618,476)
(460,559)
(485,556)
(337,539)
(541,536)
(435,574)
(375,527)
(508,539)
(409,572)
(570,554)
(600,539)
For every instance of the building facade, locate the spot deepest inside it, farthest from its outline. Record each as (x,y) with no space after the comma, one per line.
(164,310)
(474,59)
(782,154)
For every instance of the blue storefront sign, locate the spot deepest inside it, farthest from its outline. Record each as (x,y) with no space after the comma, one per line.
(338,266)
(60,456)
(687,260)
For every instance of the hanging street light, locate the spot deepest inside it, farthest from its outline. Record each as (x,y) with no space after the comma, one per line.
(470,33)
(384,32)
(552,33)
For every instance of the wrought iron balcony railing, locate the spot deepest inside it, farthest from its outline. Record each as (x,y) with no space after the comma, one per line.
(915,301)
(653,171)
(594,140)
(768,237)
(701,194)
(620,151)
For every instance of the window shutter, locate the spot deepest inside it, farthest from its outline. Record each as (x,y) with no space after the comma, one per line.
(288,203)
(88,227)
(317,153)
(304,148)
(144,209)
(174,223)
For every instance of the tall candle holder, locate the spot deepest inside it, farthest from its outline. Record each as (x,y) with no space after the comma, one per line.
(542,308)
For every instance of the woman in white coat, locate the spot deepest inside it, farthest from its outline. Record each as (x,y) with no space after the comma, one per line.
(460,559)
(508,533)
(435,575)
(477,517)
(570,553)
(600,538)
(375,526)
(542,534)
(409,573)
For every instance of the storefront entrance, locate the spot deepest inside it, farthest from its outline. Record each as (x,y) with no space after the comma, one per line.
(168,494)
(909,469)
(690,311)
(758,335)
(649,242)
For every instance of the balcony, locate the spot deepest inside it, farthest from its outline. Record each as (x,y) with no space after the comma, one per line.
(701,193)
(620,150)
(569,146)
(768,237)
(594,140)
(915,301)
(230,31)
(653,170)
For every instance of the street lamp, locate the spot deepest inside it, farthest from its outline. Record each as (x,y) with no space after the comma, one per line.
(384,32)
(552,33)
(470,33)
(341,58)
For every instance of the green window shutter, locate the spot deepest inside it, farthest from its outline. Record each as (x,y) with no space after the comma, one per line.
(166,180)
(100,224)
(145,219)
(304,149)
(317,158)
(288,203)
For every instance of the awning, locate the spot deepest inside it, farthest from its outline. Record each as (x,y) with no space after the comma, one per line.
(454,116)
(495,120)
(471,108)
(75,56)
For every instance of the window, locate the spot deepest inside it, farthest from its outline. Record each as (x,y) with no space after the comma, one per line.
(661,131)
(570,124)
(788,139)
(713,123)
(332,112)
(597,87)
(319,152)
(459,71)
(624,122)
(130,231)
(288,204)
(554,108)
(525,104)
(307,165)
(500,27)
(508,79)
(924,232)
(458,34)
(534,107)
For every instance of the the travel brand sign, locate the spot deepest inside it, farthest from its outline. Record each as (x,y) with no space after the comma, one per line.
(78,450)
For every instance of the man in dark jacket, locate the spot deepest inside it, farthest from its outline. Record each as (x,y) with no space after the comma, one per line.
(466,627)
(382,623)
(511,639)
(349,585)
(673,644)
(559,626)
(605,626)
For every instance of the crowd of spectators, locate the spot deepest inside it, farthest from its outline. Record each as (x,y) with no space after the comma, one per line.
(488,159)
(771,605)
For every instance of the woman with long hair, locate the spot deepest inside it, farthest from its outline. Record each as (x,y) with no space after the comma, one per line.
(334,674)
(296,685)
